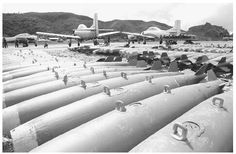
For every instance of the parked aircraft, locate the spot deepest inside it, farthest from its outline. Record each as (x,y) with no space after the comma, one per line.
(84,33)
(24,37)
(55,39)
(157,33)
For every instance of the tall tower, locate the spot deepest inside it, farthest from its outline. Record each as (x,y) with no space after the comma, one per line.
(178,26)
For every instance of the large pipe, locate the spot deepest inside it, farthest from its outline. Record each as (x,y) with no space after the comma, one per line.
(19,95)
(55,68)
(95,65)
(208,127)
(77,113)
(20,70)
(28,81)
(29,77)
(37,106)
(9,101)
(29,71)
(24,73)
(121,130)
(37,66)
(15,67)
(10,86)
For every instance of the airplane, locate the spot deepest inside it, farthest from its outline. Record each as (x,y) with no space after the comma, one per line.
(156,33)
(56,39)
(84,33)
(22,38)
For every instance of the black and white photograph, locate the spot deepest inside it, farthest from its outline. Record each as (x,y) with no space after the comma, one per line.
(117,76)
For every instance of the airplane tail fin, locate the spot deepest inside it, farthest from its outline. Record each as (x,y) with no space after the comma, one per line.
(164,54)
(202,70)
(173,67)
(156,65)
(222,60)
(178,26)
(95,24)
(211,76)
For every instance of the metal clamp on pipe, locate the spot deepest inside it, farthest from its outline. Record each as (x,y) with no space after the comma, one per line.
(105,73)
(176,135)
(123,75)
(107,90)
(56,75)
(120,106)
(83,84)
(53,69)
(217,99)
(167,89)
(65,79)
(149,79)
(84,65)
(92,70)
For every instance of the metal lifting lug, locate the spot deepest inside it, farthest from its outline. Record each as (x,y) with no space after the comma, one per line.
(176,135)
(120,106)
(219,100)
(107,90)
(92,70)
(65,79)
(56,75)
(105,73)
(84,65)
(83,84)
(167,89)
(149,78)
(123,75)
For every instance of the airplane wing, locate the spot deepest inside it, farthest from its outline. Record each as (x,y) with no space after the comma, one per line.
(10,39)
(108,34)
(58,35)
(137,34)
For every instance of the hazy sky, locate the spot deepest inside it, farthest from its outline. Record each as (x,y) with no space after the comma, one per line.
(190,14)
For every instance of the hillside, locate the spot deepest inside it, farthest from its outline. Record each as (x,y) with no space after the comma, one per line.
(60,22)
(208,32)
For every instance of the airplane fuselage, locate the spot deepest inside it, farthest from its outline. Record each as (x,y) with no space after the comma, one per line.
(156,34)
(85,35)
(30,39)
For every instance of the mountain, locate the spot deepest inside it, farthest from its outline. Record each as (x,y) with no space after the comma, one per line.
(208,32)
(63,23)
